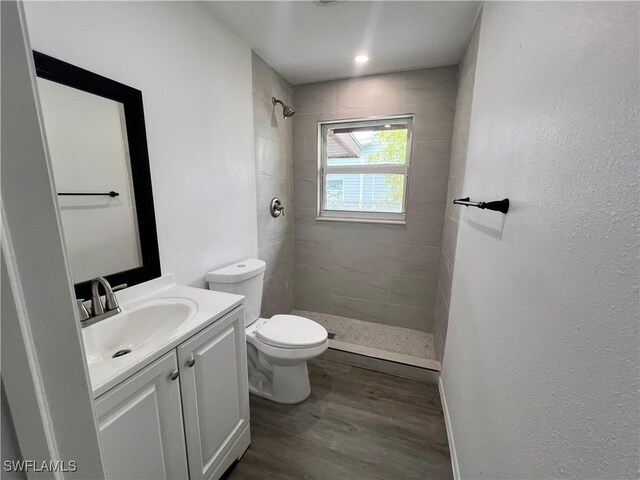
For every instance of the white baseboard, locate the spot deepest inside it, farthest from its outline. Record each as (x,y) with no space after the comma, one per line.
(447,421)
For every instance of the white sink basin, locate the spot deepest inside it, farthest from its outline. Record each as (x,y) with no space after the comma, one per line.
(139,328)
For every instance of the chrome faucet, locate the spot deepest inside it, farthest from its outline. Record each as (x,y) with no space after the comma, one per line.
(99,311)
(111,303)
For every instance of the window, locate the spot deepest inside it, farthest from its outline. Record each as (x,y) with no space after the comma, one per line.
(364,167)
(335,193)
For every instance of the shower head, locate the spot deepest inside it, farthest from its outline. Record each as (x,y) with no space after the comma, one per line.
(287,111)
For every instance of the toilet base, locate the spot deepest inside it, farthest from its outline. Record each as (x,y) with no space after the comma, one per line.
(287,384)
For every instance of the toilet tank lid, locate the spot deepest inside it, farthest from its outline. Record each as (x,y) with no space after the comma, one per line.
(237,272)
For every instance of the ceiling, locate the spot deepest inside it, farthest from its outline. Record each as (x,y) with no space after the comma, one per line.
(308,41)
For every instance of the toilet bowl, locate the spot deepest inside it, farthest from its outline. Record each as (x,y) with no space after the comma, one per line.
(279,347)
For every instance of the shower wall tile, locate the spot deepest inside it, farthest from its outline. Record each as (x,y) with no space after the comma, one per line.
(312,252)
(359,256)
(410,317)
(375,272)
(412,292)
(432,121)
(362,285)
(267,233)
(415,261)
(367,92)
(441,314)
(464,102)
(324,235)
(266,150)
(305,128)
(305,192)
(268,83)
(278,255)
(269,122)
(450,238)
(455,190)
(359,309)
(312,278)
(315,98)
(273,144)
(268,187)
(431,84)
(276,288)
(311,301)
(425,192)
(445,279)
(430,159)
(305,161)
(438,342)
(424,229)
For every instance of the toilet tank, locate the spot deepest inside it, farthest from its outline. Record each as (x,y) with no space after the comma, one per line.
(242,278)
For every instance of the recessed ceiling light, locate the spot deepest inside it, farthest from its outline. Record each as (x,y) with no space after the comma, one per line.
(361,58)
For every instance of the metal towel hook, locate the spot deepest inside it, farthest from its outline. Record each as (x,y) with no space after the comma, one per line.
(498,205)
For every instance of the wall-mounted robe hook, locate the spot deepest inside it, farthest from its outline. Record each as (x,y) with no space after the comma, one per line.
(498,205)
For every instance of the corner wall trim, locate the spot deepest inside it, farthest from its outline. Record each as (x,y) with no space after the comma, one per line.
(447,421)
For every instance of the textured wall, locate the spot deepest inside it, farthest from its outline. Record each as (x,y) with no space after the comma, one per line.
(195,78)
(541,366)
(466,77)
(274,178)
(379,273)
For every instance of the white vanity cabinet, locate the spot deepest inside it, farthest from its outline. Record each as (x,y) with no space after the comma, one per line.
(203,381)
(215,396)
(140,424)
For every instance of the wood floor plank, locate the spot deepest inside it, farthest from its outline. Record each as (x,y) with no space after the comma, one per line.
(356,425)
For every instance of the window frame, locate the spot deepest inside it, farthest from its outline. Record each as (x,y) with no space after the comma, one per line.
(324,170)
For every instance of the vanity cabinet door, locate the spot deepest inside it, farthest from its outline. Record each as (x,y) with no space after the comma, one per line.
(215,396)
(140,423)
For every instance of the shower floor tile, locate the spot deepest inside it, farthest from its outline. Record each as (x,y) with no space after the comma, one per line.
(397,344)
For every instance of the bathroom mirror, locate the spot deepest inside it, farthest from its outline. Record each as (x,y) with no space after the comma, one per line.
(97,142)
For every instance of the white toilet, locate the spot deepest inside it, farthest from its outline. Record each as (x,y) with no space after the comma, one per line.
(278,347)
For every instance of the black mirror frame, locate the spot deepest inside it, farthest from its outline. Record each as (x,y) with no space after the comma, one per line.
(66,74)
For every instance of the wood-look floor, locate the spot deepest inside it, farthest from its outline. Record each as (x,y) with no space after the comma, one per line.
(356,425)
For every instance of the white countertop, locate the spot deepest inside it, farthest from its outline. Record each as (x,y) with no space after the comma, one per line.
(210,307)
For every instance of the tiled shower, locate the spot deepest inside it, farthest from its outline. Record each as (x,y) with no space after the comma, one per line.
(375,286)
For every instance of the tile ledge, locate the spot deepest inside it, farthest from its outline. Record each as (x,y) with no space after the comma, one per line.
(385,355)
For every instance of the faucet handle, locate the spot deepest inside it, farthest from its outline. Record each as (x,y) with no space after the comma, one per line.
(110,300)
(82,310)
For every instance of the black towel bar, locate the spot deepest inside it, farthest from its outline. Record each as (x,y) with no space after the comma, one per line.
(110,194)
(498,205)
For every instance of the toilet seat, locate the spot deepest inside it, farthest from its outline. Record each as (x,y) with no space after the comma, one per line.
(291,331)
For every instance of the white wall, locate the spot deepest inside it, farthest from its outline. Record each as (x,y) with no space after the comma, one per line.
(541,364)
(195,78)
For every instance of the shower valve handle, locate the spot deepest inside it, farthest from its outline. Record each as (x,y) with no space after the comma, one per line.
(276,207)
